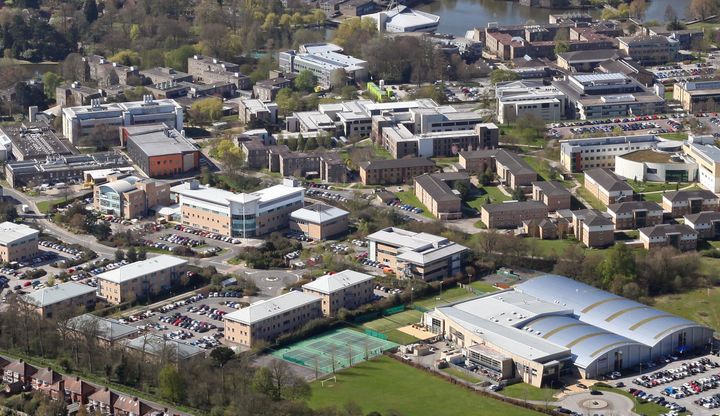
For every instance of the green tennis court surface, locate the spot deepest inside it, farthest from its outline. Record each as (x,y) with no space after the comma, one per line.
(334,350)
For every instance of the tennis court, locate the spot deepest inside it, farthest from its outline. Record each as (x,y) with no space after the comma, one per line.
(334,350)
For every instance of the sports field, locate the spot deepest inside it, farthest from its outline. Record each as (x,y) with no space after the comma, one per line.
(384,384)
(334,350)
(388,326)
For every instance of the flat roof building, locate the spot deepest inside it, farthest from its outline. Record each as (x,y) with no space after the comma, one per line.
(320,221)
(141,280)
(69,295)
(656,165)
(347,289)
(698,96)
(648,50)
(160,150)
(266,320)
(17,242)
(35,140)
(323,60)
(576,155)
(80,121)
(211,70)
(242,215)
(518,99)
(130,197)
(60,169)
(416,255)
(703,151)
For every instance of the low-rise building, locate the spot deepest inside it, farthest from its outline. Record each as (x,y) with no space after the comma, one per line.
(160,349)
(391,172)
(106,331)
(34,140)
(160,150)
(416,255)
(546,228)
(244,215)
(60,169)
(400,141)
(553,194)
(211,70)
(658,165)
(347,289)
(267,90)
(576,155)
(512,214)
(703,151)
(680,236)
(649,50)
(690,201)
(141,280)
(706,223)
(108,73)
(130,197)
(255,111)
(519,99)
(74,94)
(266,320)
(320,221)
(69,296)
(17,242)
(631,215)
(324,60)
(604,185)
(18,375)
(592,228)
(586,61)
(164,74)
(513,170)
(698,96)
(436,191)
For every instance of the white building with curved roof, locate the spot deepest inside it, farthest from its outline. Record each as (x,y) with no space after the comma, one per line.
(552,325)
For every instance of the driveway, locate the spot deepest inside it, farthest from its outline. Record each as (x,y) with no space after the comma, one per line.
(607,404)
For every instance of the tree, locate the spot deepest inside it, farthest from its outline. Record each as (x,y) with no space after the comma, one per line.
(463,188)
(119,255)
(338,78)
(51,81)
(518,194)
(102,137)
(305,81)
(503,75)
(637,8)
(8,212)
(618,262)
(178,58)
(562,47)
(206,110)
(90,10)
(132,254)
(171,384)
(702,9)
(126,57)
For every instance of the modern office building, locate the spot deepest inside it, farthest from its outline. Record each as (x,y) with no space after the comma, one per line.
(324,60)
(243,215)
(266,320)
(690,201)
(553,194)
(347,289)
(551,325)
(681,236)
(141,280)
(593,228)
(320,221)
(512,214)
(632,215)
(703,151)
(607,95)
(436,191)
(518,99)
(130,197)
(698,96)
(416,255)
(17,242)
(80,121)
(576,155)
(69,296)
(656,165)
(160,150)
(60,169)
(604,185)
(391,172)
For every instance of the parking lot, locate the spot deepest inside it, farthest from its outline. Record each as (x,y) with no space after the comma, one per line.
(683,72)
(196,320)
(656,124)
(677,383)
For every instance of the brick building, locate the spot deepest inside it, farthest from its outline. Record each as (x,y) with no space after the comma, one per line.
(512,214)
(680,236)
(690,201)
(398,171)
(553,194)
(631,215)
(607,187)
(592,228)
(347,289)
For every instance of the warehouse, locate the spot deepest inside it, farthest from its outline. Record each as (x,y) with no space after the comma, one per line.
(552,325)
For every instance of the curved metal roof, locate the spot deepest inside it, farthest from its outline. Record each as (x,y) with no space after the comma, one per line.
(586,342)
(121,185)
(605,310)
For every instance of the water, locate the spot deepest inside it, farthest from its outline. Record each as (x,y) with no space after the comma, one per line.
(459,16)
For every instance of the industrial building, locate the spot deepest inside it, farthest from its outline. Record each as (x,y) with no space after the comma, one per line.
(416,255)
(60,169)
(323,60)
(319,221)
(80,121)
(242,215)
(608,95)
(347,289)
(160,150)
(141,280)
(551,325)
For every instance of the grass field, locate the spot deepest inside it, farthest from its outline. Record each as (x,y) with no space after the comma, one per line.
(640,187)
(451,295)
(652,197)
(385,384)
(388,325)
(546,248)
(700,305)
(590,198)
(543,169)
(483,286)
(524,391)
(495,194)
(647,408)
(408,197)
(678,135)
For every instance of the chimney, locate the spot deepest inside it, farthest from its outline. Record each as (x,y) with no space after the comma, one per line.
(32,110)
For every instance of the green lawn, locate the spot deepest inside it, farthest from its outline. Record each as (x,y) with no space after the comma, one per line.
(640,187)
(710,25)
(483,286)
(462,375)
(678,135)
(408,197)
(543,169)
(445,161)
(546,248)
(448,296)
(644,408)
(389,325)
(495,194)
(45,206)
(590,198)
(652,197)
(700,305)
(384,385)
(524,391)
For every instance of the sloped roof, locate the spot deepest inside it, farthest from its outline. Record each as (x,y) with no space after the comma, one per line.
(661,230)
(607,180)
(630,206)
(685,194)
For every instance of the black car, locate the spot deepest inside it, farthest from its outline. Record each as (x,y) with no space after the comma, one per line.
(596,392)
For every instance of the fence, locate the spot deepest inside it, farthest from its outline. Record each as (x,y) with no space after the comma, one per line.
(376,334)
(393,310)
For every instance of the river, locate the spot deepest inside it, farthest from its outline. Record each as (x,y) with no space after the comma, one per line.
(459,16)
